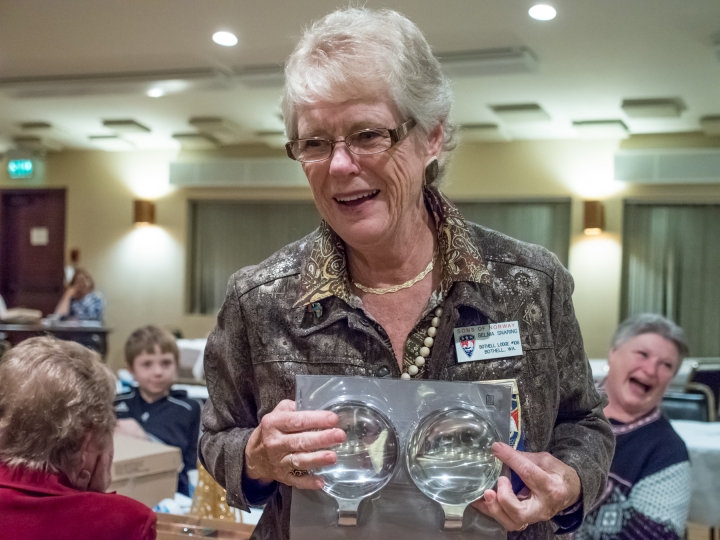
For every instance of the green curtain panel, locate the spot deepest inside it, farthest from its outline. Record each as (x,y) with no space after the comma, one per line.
(228,235)
(671,262)
(543,222)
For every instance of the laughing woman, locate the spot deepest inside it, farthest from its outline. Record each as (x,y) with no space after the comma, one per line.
(379,287)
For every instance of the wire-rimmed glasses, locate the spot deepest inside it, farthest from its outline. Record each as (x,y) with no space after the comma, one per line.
(362,143)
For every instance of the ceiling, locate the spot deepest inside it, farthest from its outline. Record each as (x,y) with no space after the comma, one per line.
(591,57)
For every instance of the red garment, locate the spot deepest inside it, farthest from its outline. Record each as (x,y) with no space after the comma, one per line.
(36,505)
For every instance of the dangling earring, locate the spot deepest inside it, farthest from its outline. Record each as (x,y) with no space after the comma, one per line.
(432,168)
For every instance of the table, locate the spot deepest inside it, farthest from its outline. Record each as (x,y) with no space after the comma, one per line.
(703,443)
(93,337)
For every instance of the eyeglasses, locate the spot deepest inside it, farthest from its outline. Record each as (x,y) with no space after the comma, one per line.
(362,143)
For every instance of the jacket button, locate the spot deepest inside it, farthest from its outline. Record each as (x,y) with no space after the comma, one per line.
(382,371)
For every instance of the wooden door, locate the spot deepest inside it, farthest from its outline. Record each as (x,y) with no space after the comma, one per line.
(32,247)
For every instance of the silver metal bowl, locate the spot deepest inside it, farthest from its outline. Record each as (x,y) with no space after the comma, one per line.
(367,459)
(449,456)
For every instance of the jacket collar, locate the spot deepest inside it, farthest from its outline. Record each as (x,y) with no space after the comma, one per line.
(33,481)
(324,272)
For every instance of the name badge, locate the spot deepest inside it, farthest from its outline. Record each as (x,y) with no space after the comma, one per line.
(488,341)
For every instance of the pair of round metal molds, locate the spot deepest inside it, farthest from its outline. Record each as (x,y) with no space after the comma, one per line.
(448,456)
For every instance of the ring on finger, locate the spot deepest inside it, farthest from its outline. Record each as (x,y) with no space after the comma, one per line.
(523,527)
(294,471)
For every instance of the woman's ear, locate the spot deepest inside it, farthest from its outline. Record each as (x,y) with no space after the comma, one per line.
(80,474)
(436,138)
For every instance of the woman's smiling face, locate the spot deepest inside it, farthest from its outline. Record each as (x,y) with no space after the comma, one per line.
(366,199)
(640,371)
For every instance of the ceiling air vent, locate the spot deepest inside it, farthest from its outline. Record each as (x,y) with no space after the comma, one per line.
(653,108)
(269,76)
(601,129)
(220,129)
(195,141)
(125,126)
(668,166)
(99,84)
(503,61)
(710,125)
(521,112)
(111,143)
(247,172)
(482,132)
(33,143)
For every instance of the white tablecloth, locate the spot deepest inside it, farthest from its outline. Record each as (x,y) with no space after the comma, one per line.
(703,444)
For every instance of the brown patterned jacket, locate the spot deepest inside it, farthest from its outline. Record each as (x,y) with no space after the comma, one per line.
(266,335)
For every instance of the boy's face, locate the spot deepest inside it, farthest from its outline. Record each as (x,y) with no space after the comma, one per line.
(154,372)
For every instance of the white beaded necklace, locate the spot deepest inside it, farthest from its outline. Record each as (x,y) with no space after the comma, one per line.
(412,370)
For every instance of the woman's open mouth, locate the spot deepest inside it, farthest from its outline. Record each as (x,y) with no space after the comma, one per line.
(641,387)
(357,198)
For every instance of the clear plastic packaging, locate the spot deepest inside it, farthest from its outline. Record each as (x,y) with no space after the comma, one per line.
(417,454)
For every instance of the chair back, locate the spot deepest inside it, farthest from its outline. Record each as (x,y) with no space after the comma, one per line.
(708,374)
(696,403)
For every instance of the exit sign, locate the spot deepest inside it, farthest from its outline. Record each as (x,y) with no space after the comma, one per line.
(20,168)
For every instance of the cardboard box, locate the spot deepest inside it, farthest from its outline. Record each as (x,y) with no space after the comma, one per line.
(145,471)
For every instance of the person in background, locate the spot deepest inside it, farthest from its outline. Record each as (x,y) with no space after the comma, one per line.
(56,448)
(80,301)
(153,411)
(648,490)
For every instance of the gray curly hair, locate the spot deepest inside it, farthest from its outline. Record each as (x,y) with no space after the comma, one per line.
(651,323)
(359,53)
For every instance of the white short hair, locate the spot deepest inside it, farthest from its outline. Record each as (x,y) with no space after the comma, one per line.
(356,53)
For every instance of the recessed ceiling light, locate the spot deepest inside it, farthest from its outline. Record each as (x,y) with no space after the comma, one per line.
(226,39)
(156,92)
(542,12)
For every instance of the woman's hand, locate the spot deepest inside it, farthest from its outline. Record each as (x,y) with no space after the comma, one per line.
(550,486)
(288,442)
(94,472)
(63,306)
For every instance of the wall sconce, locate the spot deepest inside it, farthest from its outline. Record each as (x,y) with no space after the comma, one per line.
(144,212)
(593,217)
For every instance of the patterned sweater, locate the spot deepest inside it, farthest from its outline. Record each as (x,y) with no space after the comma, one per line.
(648,490)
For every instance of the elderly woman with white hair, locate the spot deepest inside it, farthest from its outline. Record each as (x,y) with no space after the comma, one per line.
(379,287)
(648,489)
(56,447)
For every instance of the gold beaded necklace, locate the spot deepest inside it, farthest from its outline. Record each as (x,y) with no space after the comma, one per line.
(395,288)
